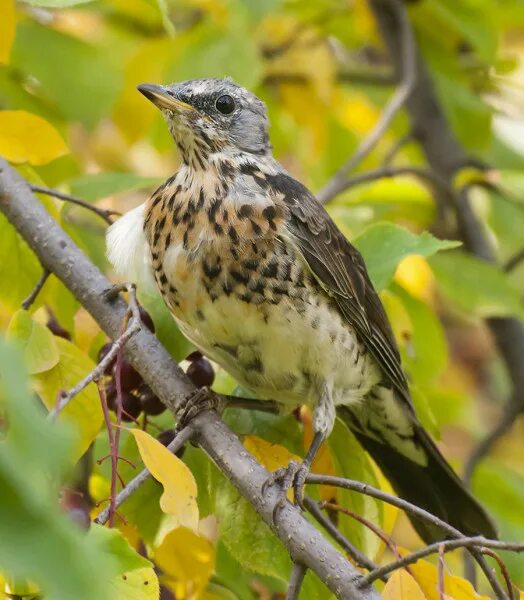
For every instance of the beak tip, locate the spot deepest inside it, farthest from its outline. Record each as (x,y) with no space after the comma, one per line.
(149,90)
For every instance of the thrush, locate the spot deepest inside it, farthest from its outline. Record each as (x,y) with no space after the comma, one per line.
(260,279)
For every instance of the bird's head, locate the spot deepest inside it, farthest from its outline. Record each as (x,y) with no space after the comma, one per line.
(211,115)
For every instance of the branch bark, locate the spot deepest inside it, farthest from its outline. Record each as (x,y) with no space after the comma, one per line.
(58,253)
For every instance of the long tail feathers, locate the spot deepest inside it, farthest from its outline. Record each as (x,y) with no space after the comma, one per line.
(434,487)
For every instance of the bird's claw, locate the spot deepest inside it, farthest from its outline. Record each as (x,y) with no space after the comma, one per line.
(193,404)
(291,477)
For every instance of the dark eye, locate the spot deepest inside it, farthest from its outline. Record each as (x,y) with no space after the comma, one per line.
(225,104)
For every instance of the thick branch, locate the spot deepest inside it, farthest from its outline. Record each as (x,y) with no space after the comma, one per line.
(57,252)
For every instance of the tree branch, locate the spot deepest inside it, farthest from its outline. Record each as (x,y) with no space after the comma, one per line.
(59,254)
(295,581)
(368,490)
(103,213)
(407,52)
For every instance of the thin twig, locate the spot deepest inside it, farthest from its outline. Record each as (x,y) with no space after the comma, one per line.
(511,411)
(174,446)
(387,171)
(295,581)
(134,324)
(104,213)
(358,557)
(396,147)
(440,572)
(514,261)
(367,523)
(408,74)
(369,490)
(448,545)
(503,570)
(27,303)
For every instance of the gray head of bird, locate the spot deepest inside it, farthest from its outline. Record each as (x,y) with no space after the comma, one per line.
(211,115)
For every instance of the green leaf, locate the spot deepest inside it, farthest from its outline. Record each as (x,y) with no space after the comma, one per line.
(84,410)
(351,461)
(384,245)
(209,52)
(19,267)
(249,540)
(475,286)
(40,349)
(426,352)
(95,187)
(36,538)
(79,79)
(113,544)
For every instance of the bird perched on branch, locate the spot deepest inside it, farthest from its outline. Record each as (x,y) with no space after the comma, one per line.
(261,280)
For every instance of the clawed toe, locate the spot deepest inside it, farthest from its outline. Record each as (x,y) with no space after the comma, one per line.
(291,477)
(201,400)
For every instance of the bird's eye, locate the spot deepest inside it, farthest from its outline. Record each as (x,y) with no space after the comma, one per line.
(225,104)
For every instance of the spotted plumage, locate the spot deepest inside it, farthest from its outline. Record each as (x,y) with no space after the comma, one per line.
(259,278)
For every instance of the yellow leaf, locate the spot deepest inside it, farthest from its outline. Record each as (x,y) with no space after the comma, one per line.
(402,586)
(426,575)
(147,65)
(7,28)
(415,275)
(186,558)
(180,490)
(140,584)
(25,137)
(271,456)
(84,410)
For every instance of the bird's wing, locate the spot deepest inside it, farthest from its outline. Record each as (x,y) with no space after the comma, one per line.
(340,270)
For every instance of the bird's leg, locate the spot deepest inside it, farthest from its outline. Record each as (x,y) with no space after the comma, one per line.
(294,475)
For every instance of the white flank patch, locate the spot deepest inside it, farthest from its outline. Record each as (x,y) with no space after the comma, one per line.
(127,248)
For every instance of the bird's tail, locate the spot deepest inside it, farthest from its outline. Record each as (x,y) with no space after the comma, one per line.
(434,487)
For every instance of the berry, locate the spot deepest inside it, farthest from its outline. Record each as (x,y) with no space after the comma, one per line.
(146,319)
(166,437)
(194,355)
(102,353)
(129,377)
(76,508)
(151,403)
(201,373)
(131,406)
(110,390)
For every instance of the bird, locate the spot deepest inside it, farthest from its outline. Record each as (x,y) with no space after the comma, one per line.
(260,279)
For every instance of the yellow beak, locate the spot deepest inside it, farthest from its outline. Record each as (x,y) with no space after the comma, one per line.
(162,98)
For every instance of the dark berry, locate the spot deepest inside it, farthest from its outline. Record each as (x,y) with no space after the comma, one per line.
(151,403)
(131,406)
(201,372)
(76,508)
(110,390)
(194,355)
(146,319)
(166,437)
(102,353)
(56,329)
(129,377)
(166,593)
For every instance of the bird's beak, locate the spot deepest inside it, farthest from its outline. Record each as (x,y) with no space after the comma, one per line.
(161,98)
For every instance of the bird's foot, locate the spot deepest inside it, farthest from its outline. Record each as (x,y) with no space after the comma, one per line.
(193,404)
(291,477)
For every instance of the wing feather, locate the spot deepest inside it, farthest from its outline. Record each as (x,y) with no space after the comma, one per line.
(341,272)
